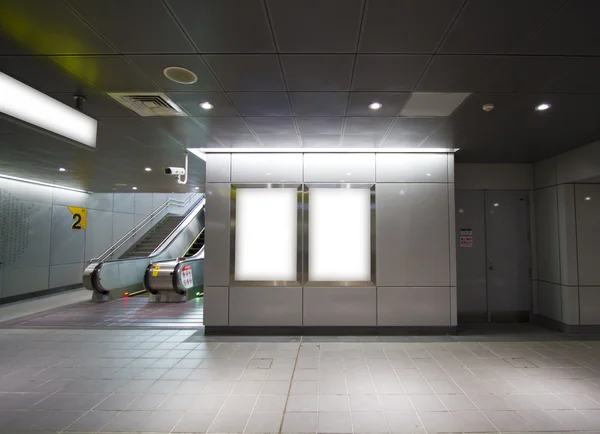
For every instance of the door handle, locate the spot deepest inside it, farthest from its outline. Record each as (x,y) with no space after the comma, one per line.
(491,266)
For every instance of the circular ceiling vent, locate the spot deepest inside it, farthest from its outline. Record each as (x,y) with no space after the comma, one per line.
(180,75)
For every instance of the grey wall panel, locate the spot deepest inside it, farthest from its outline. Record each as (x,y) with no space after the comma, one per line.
(1,280)
(123,203)
(567,234)
(550,300)
(66,274)
(406,306)
(412,168)
(69,198)
(261,168)
(275,306)
(142,203)
(347,306)
(216,268)
(19,281)
(545,173)
(412,235)
(453,306)
(66,245)
(26,192)
(358,168)
(158,199)
(218,167)
(590,305)
(493,176)
(122,223)
(451,228)
(546,225)
(99,233)
(587,211)
(470,261)
(29,237)
(216,306)
(101,201)
(570,305)
(450,167)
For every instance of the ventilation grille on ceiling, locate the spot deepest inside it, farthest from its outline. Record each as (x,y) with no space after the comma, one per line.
(149,104)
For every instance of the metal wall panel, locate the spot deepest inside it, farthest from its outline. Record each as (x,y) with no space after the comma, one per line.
(66,245)
(265,168)
(339,168)
(347,306)
(412,167)
(452,225)
(101,201)
(216,306)
(218,167)
(587,211)
(19,281)
(1,280)
(142,203)
(412,235)
(98,233)
(31,237)
(567,235)
(253,306)
(416,306)
(549,296)
(122,223)
(123,203)
(570,305)
(450,167)
(590,305)
(546,223)
(218,199)
(66,274)
(27,192)
(69,198)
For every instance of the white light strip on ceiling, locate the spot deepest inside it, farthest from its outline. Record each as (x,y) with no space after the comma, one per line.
(31,181)
(29,105)
(199,151)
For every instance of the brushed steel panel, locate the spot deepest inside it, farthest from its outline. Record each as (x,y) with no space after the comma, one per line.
(142,203)
(218,167)
(453,307)
(589,305)
(570,304)
(336,168)
(413,306)
(349,306)
(218,199)
(69,198)
(450,167)
(19,281)
(266,168)
(28,236)
(1,281)
(253,306)
(216,306)
(66,245)
(101,201)
(587,212)
(567,235)
(412,235)
(452,232)
(98,235)
(65,274)
(547,235)
(412,167)
(549,300)
(123,202)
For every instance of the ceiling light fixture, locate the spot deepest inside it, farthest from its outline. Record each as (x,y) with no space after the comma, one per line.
(134,188)
(542,107)
(375,105)
(180,75)
(588,198)
(30,181)
(196,188)
(206,105)
(34,108)
(62,169)
(148,169)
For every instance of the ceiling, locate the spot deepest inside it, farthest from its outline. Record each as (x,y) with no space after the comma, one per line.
(301,73)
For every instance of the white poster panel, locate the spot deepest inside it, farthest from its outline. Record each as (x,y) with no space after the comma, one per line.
(339,234)
(266,234)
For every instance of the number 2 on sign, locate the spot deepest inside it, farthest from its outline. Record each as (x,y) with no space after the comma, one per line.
(77,222)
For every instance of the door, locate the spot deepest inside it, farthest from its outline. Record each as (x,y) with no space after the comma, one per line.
(508,255)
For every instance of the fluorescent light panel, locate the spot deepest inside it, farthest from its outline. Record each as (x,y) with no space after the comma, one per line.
(339,236)
(29,105)
(265,234)
(198,151)
(31,181)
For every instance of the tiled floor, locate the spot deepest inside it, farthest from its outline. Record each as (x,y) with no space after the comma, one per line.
(39,304)
(164,381)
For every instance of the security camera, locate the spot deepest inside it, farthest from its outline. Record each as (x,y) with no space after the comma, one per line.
(175,171)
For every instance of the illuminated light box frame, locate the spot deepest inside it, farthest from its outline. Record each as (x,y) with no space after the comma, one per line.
(339,235)
(265,241)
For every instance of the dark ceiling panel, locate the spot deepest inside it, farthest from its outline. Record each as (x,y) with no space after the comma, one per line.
(319,103)
(279,140)
(406,26)
(361,141)
(247,72)
(410,132)
(368,126)
(96,104)
(135,26)
(182,129)
(320,141)
(582,77)
(459,73)
(107,73)
(316,26)
(154,66)
(318,72)
(272,125)
(224,126)
(262,103)
(497,26)
(225,26)
(392,103)
(190,102)
(388,72)
(239,141)
(322,125)
(46,27)
(573,30)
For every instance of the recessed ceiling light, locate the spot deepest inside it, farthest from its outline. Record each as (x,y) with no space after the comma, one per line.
(148,169)
(180,75)
(62,169)
(428,174)
(349,173)
(134,188)
(206,105)
(375,105)
(542,107)
(496,204)
(588,198)
(196,188)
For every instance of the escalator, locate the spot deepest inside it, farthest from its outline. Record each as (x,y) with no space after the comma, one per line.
(112,279)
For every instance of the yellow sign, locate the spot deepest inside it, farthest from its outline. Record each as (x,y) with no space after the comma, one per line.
(79,218)
(155,270)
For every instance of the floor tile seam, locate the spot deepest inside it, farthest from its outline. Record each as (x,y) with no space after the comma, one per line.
(290,387)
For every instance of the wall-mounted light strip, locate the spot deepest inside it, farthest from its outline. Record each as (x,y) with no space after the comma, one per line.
(201,151)
(26,104)
(31,181)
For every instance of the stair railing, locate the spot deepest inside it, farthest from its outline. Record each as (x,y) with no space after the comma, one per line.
(136,229)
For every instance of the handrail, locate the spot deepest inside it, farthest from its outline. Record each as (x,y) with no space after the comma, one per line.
(183,223)
(121,241)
